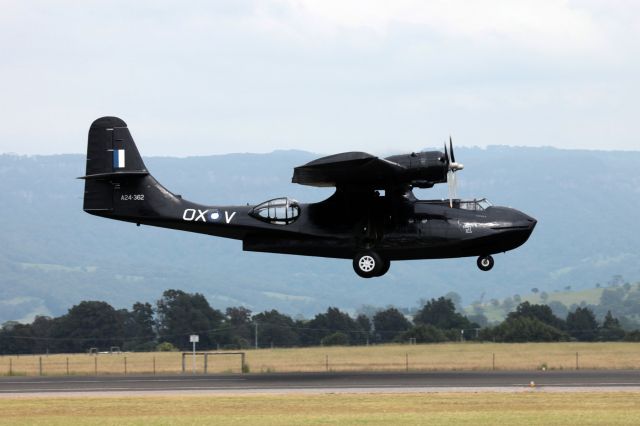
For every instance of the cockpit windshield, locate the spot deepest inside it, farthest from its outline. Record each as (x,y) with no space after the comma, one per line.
(475,205)
(279,211)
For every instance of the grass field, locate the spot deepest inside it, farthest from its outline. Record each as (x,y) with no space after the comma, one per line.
(526,408)
(449,356)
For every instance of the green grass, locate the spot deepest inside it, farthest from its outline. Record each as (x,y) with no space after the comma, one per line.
(526,408)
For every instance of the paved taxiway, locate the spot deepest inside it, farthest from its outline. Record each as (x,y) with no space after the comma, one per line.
(474,381)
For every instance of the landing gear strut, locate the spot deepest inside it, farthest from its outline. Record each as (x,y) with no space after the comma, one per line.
(485,263)
(368,264)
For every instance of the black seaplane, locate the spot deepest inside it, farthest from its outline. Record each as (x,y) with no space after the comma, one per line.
(372,218)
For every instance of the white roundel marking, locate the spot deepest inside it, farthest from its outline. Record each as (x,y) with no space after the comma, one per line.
(215,215)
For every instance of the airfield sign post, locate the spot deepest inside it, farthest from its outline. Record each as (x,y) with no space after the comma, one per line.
(194,338)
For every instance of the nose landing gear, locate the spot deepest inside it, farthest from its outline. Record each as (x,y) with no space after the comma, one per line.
(485,263)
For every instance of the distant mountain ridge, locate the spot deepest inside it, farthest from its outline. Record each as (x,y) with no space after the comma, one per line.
(54,255)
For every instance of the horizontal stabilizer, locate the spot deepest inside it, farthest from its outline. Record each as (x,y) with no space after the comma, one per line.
(116,175)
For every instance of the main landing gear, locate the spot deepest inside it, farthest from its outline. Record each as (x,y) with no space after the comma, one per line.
(485,263)
(369,264)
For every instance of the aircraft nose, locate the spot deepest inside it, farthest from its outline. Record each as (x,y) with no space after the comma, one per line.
(530,222)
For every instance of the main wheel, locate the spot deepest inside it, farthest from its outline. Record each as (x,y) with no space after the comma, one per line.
(367,264)
(386,264)
(485,263)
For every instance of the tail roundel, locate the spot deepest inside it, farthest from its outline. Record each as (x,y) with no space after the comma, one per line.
(112,160)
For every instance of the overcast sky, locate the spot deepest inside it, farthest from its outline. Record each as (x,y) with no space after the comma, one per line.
(210,77)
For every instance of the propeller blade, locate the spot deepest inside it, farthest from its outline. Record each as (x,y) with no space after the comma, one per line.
(454,185)
(453,157)
(446,155)
(450,178)
(452,168)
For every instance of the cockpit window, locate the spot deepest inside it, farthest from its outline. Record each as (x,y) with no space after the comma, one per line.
(475,205)
(484,203)
(279,211)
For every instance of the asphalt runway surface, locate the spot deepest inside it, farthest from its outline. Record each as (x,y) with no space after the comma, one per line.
(449,381)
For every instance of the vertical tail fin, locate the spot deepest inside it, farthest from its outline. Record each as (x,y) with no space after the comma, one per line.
(112,158)
(111,149)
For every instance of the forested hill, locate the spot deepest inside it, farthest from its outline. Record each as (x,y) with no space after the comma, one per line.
(54,255)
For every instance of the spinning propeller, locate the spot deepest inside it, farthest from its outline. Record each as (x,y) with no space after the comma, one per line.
(452,168)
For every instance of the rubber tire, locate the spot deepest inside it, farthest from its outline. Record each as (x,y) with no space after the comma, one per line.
(371,261)
(485,263)
(386,264)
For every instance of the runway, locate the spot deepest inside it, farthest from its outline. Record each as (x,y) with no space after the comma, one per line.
(454,381)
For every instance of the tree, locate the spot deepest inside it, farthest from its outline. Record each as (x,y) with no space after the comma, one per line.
(16,338)
(389,323)
(335,339)
(558,308)
(523,329)
(276,329)
(611,329)
(238,315)
(610,321)
(41,328)
(364,323)
(240,331)
(330,322)
(632,336)
(139,327)
(582,324)
(542,313)
(441,313)
(89,324)
(181,314)
(423,334)
(455,298)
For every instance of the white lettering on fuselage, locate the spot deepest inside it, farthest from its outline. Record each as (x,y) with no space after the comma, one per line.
(189,214)
(201,215)
(228,217)
(197,215)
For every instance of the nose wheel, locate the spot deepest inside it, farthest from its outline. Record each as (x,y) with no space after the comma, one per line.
(369,264)
(485,263)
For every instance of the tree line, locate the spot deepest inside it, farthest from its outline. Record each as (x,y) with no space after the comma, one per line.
(178,314)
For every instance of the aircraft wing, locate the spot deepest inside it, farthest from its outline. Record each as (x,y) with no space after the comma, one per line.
(349,169)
